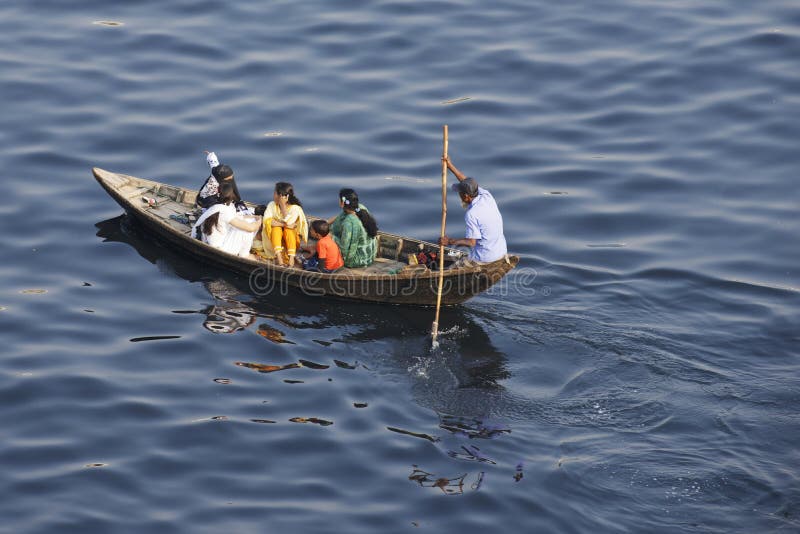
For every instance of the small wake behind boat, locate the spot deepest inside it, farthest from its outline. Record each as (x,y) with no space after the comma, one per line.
(162,209)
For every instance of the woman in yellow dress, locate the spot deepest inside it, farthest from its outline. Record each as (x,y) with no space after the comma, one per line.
(285,225)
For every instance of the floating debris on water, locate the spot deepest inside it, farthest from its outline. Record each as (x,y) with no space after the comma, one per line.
(323,343)
(222,380)
(33,291)
(87,284)
(152,338)
(294,381)
(264,421)
(89,311)
(456,100)
(360,404)
(108,23)
(343,365)
(94,465)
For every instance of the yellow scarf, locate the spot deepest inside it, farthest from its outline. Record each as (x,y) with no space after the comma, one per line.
(294,215)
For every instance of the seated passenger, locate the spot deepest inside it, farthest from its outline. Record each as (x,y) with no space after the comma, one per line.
(285,225)
(209,192)
(354,230)
(222,228)
(325,256)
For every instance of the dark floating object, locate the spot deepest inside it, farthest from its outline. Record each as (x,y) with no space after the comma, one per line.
(414,434)
(187,312)
(294,381)
(220,418)
(343,365)
(87,284)
(108,23)
(360,404)
(265,421)
(89,311)
(314,420)
(95,465)
(222,380)
(152,338)
(390,279)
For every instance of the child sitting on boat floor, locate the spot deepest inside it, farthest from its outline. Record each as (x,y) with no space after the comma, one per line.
(285,226)
(222,228)
(325,255)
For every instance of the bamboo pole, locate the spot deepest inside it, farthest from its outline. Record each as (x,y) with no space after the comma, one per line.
(435,326)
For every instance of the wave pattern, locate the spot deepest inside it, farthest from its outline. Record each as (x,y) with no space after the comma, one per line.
(638,372)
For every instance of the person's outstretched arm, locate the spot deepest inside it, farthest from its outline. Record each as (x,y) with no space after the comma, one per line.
(458,174)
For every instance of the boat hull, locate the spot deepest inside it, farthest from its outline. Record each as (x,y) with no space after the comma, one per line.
(409,286)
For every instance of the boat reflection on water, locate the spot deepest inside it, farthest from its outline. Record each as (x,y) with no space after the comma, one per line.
(461,382)
(237,307)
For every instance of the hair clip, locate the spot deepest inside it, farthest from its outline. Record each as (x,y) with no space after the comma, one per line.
(345,201)
(358,209)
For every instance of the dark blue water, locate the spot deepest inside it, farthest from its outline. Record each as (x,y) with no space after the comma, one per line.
(637,373)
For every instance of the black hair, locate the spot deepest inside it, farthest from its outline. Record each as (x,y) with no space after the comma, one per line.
(285,188)
(220,172)
(349,198)
(321,227)
(227,194)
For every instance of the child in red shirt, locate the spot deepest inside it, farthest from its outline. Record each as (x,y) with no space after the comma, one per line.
(326,257)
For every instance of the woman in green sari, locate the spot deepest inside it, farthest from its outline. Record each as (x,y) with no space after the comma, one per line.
(354,230)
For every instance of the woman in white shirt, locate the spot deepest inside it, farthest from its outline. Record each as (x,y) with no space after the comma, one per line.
(222,228)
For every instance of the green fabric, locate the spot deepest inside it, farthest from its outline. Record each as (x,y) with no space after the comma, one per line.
(358,249)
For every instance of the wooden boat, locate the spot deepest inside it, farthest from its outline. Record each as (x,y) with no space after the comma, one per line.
(390,279)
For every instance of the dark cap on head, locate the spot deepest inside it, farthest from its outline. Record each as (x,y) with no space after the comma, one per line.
(220,172)
(468,187)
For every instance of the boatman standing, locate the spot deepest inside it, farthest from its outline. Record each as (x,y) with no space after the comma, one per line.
(482,218)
